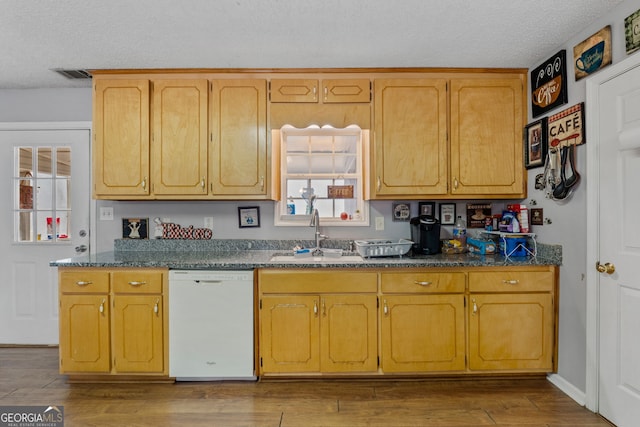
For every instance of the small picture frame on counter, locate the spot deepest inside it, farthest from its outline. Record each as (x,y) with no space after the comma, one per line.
(135,228)
(447,213)
(249,216)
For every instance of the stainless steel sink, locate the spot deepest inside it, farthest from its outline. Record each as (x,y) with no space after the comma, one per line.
(322,258)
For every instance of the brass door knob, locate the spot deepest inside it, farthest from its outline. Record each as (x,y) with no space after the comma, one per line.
(605,268)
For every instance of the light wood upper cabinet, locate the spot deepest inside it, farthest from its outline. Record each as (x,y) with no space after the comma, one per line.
(410,142)
(180,137)
(327,91)
(487,118)
(121,137)
(239,153)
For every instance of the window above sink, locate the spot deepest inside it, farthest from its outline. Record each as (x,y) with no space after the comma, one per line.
(322,168)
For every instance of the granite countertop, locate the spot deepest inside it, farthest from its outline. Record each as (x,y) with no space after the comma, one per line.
(252,254)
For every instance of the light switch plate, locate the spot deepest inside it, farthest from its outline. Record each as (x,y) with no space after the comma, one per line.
(208,222)
(379,223)
(106,213)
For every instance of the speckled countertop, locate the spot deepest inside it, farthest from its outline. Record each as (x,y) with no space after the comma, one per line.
(250,254)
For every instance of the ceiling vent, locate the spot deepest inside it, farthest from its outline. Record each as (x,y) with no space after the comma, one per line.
(73,74)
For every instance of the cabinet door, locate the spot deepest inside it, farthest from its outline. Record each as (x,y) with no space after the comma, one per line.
(293,90)
(138,333)
(121,137)
(346,90)
(487,117)
(410,144)
(289,334)
(511,332)
(179,141)
(423,333)
(349,333)
(238,151)
(84,333)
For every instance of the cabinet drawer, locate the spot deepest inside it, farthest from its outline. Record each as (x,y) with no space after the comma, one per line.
(346,90)
(294,90)
(421,282)
(511,281)
(296,281)
(84,281)
(137,281)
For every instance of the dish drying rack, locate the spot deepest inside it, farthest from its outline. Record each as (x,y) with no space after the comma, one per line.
(383,247)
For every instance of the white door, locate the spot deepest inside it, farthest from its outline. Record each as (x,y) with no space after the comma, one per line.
(618,271)
(44,174)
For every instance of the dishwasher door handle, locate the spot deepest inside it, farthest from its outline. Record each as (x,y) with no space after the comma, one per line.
(208,281)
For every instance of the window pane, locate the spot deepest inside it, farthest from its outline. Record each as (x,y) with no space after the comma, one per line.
(63,162)
(63,191)
(23,221)
(45,162)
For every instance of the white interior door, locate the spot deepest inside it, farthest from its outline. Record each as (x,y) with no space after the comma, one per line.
(44,174)
(618,272)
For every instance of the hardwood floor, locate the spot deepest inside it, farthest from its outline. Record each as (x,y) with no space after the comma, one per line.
(29,376)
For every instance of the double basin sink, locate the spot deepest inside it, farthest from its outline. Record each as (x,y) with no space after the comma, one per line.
(325,255)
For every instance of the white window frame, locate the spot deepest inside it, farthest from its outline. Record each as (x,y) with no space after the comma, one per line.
(357,219)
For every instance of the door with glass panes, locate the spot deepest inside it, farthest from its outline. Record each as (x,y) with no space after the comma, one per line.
(45,176)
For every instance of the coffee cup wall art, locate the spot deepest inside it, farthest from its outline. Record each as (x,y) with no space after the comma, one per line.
(592,54)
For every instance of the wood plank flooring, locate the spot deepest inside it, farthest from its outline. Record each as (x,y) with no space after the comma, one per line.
(29,376)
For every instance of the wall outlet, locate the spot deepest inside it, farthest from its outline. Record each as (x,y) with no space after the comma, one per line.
(208,222)
(379,223)
(106,213)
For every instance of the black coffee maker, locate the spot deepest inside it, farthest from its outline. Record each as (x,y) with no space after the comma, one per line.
(425,234)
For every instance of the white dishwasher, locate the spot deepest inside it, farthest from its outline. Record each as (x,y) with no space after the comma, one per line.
(211,325)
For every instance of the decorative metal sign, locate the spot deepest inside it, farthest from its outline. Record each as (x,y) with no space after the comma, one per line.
(593,53)
(632,31)
(549,84)
(340,191)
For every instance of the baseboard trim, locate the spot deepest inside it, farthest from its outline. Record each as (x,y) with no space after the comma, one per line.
(567,388)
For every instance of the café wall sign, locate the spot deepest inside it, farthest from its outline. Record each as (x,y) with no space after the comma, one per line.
(549,84)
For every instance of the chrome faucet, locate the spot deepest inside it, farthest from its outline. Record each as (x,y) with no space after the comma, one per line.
(315,222)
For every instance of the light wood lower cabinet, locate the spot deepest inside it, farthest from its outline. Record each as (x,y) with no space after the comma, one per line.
(316,329)
(432,321)
(512,320)
(113,322)
(422,333)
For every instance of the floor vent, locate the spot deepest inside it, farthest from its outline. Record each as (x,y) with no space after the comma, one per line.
(73,74)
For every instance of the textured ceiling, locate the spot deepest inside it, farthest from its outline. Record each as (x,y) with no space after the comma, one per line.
(39,35)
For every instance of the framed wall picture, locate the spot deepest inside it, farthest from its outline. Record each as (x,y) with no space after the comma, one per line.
(535,144)
(427,208)
(135,228)
(549,84)
(447,213)
(401,211)
(249,216)
(537,216)
(593,53)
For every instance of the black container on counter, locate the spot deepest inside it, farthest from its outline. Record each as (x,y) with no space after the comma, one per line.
(425,233)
